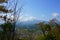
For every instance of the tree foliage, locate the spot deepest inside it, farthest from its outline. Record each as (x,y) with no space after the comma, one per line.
(3,1)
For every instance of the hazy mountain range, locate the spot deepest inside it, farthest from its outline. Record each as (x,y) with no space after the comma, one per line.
(29,24)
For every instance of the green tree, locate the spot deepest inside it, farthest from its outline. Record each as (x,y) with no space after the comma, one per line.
(42,27)
(3,1)
(54,34)
(10,24)
(6,27)
(47,27)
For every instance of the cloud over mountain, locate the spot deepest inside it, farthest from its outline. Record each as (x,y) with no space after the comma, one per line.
(55,14)
(27,18)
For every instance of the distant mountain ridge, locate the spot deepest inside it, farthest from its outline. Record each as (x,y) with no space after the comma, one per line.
(29,24)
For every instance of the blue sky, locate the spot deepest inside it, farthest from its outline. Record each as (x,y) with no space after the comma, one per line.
(40,9)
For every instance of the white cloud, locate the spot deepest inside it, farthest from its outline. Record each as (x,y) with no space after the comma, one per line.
(26,18)
(55,14)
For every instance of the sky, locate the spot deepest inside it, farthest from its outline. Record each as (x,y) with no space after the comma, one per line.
(40,9)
